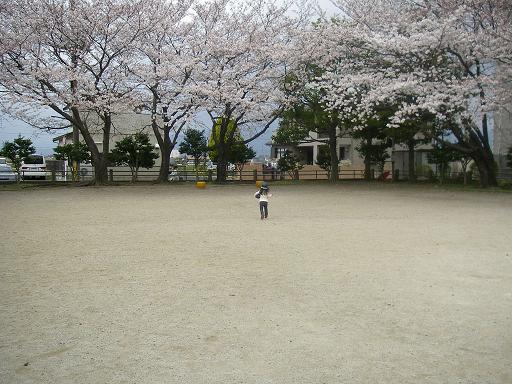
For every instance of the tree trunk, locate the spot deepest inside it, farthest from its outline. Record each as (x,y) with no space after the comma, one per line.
(476,145)
(485,159)
(166,146)
(464,165)
(482,156)
(381,169)
(102,177)
(165,142)
(76,129)
(486,169)
(368,161)
(222,173)
(241,169)
(222,162)
(163,174)
(135,174)
(98,159)
(75,173)
(100,169)
(412,163)
(196,166)
(334,174)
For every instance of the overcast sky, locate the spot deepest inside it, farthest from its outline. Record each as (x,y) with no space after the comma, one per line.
(10,129)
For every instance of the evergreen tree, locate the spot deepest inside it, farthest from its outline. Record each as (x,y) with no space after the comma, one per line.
(442,155)
(374,139)
(135,151)
(323,159)
(240,154)
(310,114)
(73,154)
(234,150)
(17,151)
(194,144)
(290,163)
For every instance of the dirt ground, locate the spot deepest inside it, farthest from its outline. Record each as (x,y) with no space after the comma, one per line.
(353,283)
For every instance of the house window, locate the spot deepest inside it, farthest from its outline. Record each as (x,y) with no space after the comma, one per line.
(306,154)
(343,153)
(99,145)
(279,152)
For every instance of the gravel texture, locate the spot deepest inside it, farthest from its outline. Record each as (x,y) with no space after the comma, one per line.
(353,283)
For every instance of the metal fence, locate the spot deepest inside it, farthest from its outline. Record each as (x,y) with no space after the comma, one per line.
(504,175)
(123,175)
(236,176)
(187,175)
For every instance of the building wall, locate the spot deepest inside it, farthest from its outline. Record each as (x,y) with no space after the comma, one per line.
(400,157)
(502,135)
(351,155)
(353,160)
(122,125)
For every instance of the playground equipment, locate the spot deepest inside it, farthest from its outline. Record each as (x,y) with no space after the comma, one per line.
(201,184)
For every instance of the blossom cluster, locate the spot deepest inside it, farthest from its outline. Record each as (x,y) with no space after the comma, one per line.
(171,58)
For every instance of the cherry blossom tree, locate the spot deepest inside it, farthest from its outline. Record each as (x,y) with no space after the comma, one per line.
(447,58)
(247,52)
(72,58)
(168,55)
(308,115)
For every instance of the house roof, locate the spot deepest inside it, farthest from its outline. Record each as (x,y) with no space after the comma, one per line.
(64,136)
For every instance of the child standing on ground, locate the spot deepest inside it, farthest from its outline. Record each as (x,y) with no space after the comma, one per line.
(263,194)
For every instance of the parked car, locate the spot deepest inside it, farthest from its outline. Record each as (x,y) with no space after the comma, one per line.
(3,161)
(6,173)
(173,176)
(33,166)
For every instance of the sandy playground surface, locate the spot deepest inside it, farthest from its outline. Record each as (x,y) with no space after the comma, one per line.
(350,284)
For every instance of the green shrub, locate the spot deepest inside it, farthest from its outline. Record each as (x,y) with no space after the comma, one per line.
(505,184)
(423,170)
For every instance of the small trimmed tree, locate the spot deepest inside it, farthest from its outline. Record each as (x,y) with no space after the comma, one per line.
(374,154)
(224,135)
(442,155)
(374,139)
(134,151)
(16,151)
(194,144)
(309,119)
(240,153)
(323,159)
(290,163)
(237,152)
(73,154)
(464,160)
